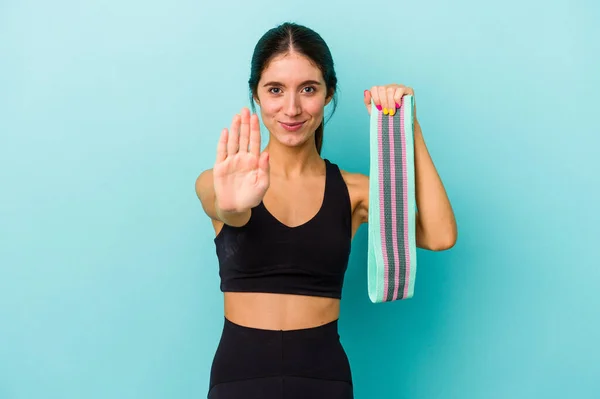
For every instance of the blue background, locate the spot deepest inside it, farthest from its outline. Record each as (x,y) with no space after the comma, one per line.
(109,110)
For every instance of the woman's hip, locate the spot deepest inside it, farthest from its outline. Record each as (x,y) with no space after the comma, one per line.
(313,358)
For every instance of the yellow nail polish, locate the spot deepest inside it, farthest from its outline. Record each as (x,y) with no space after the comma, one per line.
(385,111)
(392,112)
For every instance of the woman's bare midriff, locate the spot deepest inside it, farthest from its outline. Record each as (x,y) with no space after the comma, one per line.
(279,311)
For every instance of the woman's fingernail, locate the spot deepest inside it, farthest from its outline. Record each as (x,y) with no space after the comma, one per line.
(365,92)
(385,111)
(397,105)
(378,107)
(392,112)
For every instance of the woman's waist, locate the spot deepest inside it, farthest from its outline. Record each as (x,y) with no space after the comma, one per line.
(273,311)
(246,352)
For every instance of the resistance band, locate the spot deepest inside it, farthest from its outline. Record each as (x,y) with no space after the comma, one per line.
(392,260)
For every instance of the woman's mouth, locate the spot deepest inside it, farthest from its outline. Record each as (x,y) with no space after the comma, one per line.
(291,126)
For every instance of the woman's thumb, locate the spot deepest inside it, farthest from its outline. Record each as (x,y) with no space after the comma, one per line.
(263,162)
(367,99)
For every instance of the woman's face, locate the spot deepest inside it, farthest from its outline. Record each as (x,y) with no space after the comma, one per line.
(292,96)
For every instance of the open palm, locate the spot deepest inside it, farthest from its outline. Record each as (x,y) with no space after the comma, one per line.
(241,172)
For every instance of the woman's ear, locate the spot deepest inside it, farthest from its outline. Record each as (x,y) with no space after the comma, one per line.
(329,97)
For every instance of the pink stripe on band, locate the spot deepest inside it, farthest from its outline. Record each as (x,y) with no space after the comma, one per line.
(393,210)
(405,203)
(382,204)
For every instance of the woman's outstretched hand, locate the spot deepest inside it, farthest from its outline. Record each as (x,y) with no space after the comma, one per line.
(241,172)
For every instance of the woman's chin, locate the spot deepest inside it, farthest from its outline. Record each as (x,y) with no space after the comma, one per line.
(292,139)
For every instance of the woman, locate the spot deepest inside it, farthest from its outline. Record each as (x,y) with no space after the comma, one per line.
(284,220)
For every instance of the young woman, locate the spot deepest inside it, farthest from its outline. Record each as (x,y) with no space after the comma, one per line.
(284,220)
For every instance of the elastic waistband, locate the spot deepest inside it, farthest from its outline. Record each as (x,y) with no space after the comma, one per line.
(327,329)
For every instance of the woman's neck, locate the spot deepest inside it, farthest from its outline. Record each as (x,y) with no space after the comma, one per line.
(293,161)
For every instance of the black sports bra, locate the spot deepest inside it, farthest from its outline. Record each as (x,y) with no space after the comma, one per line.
(311,259)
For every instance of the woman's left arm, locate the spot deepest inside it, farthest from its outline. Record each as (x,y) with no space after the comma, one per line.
(436,225)
(436,228)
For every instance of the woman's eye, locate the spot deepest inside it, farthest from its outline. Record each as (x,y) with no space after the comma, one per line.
(277,90)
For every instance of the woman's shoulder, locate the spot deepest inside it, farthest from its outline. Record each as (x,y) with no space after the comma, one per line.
(355,179)
(352,179)
(358,190)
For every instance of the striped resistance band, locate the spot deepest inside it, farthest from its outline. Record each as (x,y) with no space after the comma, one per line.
(392,260)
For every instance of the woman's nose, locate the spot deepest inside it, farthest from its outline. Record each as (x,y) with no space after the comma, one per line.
(292,106)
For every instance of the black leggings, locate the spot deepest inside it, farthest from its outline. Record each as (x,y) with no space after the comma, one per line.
(253,363)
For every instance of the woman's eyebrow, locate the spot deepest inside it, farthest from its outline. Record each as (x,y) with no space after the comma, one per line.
(306,82)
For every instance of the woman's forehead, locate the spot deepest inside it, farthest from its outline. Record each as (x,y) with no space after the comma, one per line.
(291,69)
